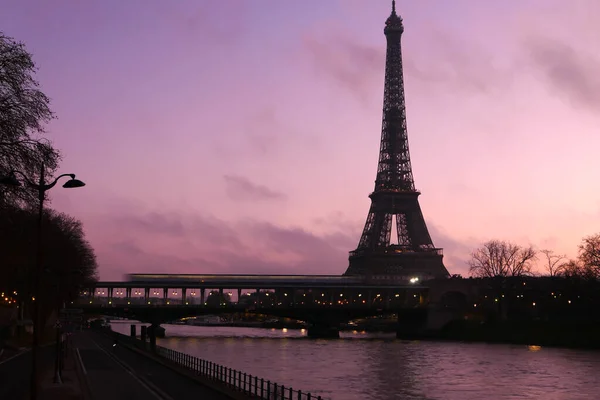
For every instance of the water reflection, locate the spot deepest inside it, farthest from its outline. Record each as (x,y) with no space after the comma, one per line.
(378,367)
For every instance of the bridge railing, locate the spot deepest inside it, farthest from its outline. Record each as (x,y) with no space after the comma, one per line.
(253,386)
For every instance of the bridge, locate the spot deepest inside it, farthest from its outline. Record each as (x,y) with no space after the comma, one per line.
(323,301)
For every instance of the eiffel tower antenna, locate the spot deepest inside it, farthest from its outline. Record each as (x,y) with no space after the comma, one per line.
(395,196)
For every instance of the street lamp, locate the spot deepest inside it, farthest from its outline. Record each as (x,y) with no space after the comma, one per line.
(42,187)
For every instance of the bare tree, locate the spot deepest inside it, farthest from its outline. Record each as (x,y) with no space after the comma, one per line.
(554,263)
(24,111)
(499,258)
(589,254)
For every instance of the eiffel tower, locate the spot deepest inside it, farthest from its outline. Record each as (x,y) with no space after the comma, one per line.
(395,196)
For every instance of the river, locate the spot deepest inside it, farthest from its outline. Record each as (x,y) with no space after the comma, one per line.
(362,366)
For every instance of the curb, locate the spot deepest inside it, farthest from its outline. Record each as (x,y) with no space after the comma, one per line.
(84,381)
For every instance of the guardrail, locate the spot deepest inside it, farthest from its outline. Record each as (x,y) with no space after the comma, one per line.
(253,386)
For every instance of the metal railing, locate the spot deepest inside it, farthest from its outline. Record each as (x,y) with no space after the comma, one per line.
(238,380)
(250,385)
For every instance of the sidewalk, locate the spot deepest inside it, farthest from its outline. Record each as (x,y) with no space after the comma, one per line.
(71,386)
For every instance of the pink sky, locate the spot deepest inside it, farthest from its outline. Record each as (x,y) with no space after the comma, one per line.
(231,136)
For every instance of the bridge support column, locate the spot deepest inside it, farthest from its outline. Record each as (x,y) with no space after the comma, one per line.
(324,330)
(239,296)
(146,294)
(128,294)
(183,296)
(412,323)
(202,291)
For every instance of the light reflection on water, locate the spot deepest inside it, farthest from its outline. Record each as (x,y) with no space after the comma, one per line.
(364,366)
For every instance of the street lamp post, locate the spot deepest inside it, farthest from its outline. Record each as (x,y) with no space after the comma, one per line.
(42,187)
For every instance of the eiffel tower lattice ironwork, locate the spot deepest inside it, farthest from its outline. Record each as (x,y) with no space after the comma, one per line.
(395,196)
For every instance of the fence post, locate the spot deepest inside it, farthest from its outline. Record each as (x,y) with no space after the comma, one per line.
(268,389)
(308,396)
(255,385)
(299,395)
(275,391)
(244,385)
(291,394)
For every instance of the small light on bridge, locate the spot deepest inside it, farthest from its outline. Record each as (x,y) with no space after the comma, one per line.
(285,294)
(378,295)
(534,304)
(474,305)
(110,302)
(414,280)
(187,304)
(148,302)
(397,295)
(267,294)
(341,295)
(569,301)
(128,302)
(359,295)
(33,299)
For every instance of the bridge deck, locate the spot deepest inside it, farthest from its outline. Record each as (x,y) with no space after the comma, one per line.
(252,282)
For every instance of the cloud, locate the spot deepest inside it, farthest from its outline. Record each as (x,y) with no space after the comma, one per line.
(441,58)
(353,65)
(456,252)
(149,242)
(176,242)
(572,73)
(241,188)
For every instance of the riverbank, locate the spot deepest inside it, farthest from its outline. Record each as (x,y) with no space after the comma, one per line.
(541,333)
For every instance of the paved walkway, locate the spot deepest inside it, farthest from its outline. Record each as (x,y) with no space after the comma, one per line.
(118,373)
(95,370)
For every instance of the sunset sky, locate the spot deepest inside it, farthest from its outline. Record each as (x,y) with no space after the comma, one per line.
(224,136)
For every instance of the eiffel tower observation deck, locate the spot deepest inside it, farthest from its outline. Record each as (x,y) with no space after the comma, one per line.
(394,202)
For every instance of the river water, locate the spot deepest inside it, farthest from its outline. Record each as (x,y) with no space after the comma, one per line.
(362,366)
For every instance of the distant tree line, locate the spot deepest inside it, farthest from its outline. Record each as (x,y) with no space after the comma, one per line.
(69,262)
(497,258)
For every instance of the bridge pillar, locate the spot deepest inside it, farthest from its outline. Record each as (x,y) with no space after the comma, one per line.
(411,322)
(110,293)
(239,295)
(165,295)
(146,294)
(183,296)
(323,330)
(202,296)
(128,293)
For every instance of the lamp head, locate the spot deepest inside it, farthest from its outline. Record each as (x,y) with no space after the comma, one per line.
(10,180)
(73,183)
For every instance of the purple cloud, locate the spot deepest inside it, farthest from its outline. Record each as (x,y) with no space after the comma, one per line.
(571,73)
(240,188)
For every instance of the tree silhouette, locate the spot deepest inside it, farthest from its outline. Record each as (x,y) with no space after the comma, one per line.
(497,258)
(554,263)
(69,262)
(24,111)
(589,255)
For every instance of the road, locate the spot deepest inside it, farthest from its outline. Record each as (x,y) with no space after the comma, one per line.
(118,373)
(15,372)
